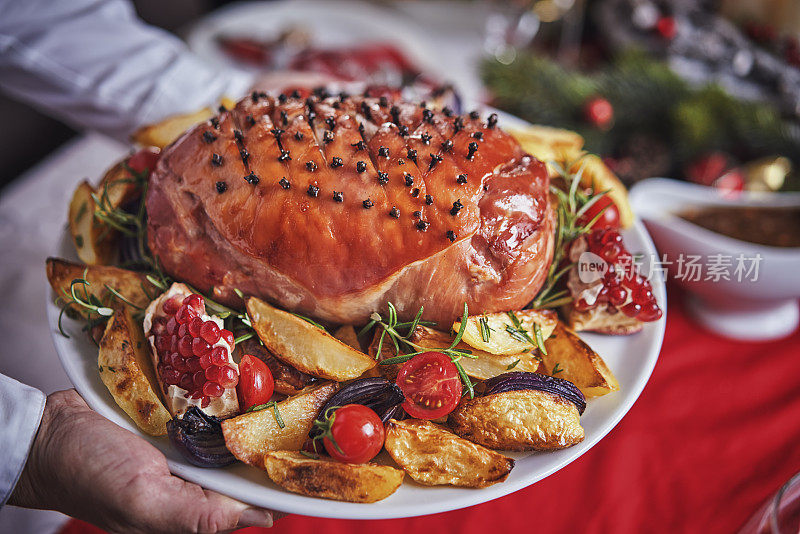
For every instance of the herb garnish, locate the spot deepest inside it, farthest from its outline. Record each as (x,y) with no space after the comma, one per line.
(557,369)
(486,330)
(512,365)
(275,412)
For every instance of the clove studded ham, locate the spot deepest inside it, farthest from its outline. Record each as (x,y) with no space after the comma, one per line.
(332,206)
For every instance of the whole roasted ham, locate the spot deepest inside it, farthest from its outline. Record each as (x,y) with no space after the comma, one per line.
(332,206)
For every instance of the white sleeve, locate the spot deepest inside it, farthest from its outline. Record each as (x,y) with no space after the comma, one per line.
(21,410)
(94,64)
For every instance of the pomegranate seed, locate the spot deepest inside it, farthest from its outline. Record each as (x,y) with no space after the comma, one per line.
(610,252)
(219,356)
(161,368)
(193,365)
(186,382)
(199,346)
(172,326)
(171,305)
(174,359)
(194,326)
(183,330)
(173,343)
(171,377)
(617,295)
(611,236)
(227,335)
(195,302)
(199,378)
(210,332)
(603,295)
(162,343)
(185,346)
(159,326)
(204,402)
(185,314)
(213,373)
(642,295)
(205,360)
(228,377)
(631,309)
(196,394)
(212,389)
(582,305)
(650,312)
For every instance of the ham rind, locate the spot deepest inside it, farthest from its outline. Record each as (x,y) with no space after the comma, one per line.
(330,208)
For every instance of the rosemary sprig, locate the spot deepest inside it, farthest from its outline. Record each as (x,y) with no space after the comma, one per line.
(572,205)
(486,330)
(275,412)
(557,369)
(407,349)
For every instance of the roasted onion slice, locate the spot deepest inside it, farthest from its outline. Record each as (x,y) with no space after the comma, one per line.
(199,439)
(519,380)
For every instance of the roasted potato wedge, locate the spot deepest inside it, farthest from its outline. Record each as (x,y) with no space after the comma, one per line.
(165,132)
(519,421)
(434,456)
(329,479)
(132,285)
(578,363)
(305,346)
(598,176)
(503,335)
(118,186)
(93,240)
(549,144)
(125,368)
(484,366)
(603,319)
(251,435)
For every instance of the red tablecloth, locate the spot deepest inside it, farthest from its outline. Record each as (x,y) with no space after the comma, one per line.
(715,433)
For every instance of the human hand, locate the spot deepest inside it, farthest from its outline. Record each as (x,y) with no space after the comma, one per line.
(87,467)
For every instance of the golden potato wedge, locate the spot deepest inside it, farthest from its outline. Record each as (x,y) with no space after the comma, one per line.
(597,175)
(519,421)
(329,479)
(132,285)
(603,319)
(251,435)
(94,241)
(434,456)
(126,370)
(165,132)
(574,360)
(347,335)
(549,144)
(118,186)
(502,335)
(304,346)
(484,366)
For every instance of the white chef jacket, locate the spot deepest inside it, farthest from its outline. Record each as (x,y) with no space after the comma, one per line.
(93,64)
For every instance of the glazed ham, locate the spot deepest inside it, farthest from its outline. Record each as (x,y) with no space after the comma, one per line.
(332,206)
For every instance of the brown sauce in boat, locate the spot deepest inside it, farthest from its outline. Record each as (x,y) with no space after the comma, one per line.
(773,227)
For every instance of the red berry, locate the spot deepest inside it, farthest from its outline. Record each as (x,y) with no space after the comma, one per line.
(185,314)
(210,332)
(642,295)
(199,378)
(228,377)
(212,389)
(173,343)
(193,365)
(171,377)
(617,295)
(204,402)
(213,373)
(183,330)
(599,112)
(195,302)
(185,346)
(666,27)
(650,312)
(196,394)
(199,346)
(610,252)
(631,309)
(205,360)
(219,356)
(172,326)
(174,359)
(171,305)
(162,343)
(227,335)
(194,326)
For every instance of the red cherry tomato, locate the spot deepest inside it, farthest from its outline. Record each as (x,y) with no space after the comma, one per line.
(431,385)
(357,434)
(609,217)
(145,159)
(255,382)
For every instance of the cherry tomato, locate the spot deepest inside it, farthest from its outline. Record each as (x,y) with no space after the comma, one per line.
(609,217)
(431,385)
(145,159)
(255,382)
(357,434)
